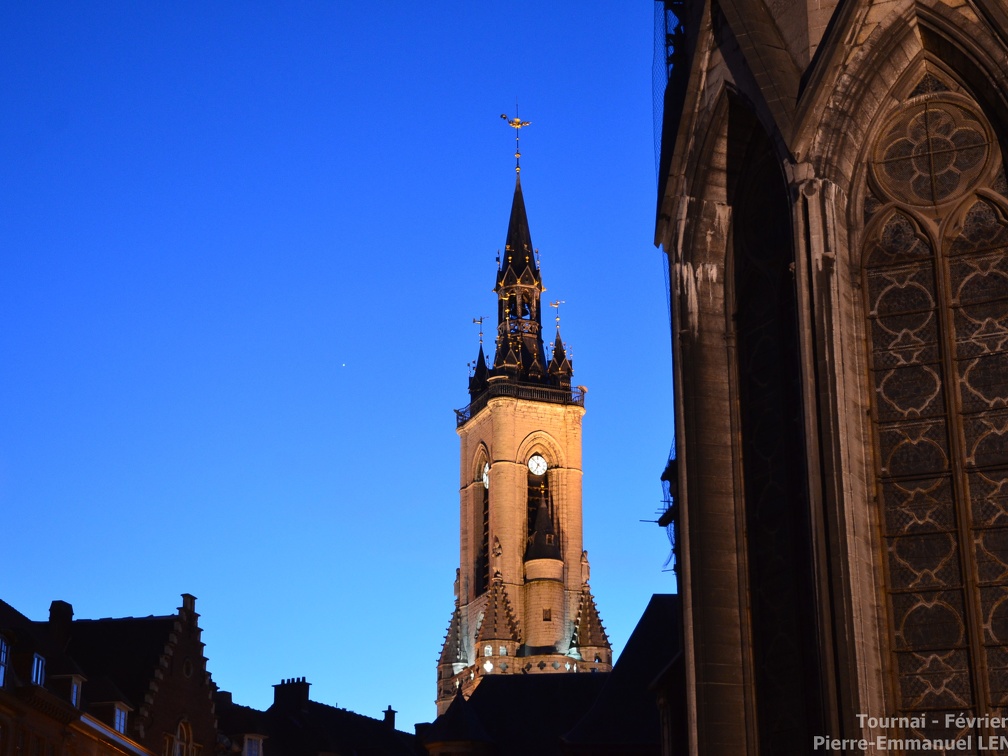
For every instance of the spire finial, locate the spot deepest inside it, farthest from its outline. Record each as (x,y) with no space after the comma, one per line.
(517,124)
(480,320)
(557,304)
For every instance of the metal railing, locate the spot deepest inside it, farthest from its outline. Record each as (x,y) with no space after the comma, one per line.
(550,394)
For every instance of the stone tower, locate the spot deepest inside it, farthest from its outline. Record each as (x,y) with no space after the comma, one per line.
(522,601)
(834,207)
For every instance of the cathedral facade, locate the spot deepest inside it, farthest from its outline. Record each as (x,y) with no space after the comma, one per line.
(522,600)
(834,208)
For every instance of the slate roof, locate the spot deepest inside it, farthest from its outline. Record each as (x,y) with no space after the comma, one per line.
(451,651)
(459,723)
(625,713)
(524,715)
(559,365)
(311,728)
(588,629)
(519,238)
(498,619)
(26,637)
(119,654)
(543,541)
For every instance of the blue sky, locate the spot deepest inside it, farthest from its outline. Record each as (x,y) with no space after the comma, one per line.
(242,247)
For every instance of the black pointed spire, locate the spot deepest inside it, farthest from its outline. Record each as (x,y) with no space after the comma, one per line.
(560,367)
(519,366)
(520,351)
(543,543)
(478,381)
(518,250)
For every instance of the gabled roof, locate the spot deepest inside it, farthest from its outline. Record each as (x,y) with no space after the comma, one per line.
(125,652)
(311,728)
(498,620)
(459,724)
(27,637)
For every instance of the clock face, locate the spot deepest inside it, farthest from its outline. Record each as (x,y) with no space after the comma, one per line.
(536,464)
(486,475)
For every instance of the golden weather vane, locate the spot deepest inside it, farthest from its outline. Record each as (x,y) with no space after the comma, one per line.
(517,124)
(480,320)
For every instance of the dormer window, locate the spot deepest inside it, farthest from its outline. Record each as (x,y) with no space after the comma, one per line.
(4,653)
(119,719)
(38,670)
(75,691)
(253,745)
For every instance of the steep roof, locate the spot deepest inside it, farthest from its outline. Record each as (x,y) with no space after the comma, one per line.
(519,238)
(27,638)
(459,724)
(498,619)
(625,712)
(451,651)
(124,653)
(560,366)
(588,629)
(527,714)
(543,543)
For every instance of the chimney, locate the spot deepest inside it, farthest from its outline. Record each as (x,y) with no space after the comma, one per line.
(390,717)
(291,694)
(60,619)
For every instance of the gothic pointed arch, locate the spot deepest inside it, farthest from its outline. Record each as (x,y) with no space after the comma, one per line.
(481,481)
(543,443)
(780,568)
(934,263)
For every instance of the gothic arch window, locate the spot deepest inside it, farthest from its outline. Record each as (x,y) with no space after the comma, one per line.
(481,567)
(182,743)
(539,472)
(935,282)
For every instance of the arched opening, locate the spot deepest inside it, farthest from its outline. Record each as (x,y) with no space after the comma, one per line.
(935,277)
(781,577)
(481,564)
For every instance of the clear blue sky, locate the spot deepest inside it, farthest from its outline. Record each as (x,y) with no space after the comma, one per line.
(242,246)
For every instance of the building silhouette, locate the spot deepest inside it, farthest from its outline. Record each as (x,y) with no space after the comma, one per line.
(522,600)
(834,208)
(130,685)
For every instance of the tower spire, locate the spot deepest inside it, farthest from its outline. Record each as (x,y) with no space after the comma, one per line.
(520,353)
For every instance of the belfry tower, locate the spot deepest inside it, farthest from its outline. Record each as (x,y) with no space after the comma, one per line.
(522,601)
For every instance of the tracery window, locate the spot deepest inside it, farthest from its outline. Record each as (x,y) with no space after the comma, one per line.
(935,277)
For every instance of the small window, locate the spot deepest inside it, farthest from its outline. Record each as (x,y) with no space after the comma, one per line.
(547,615)
(503,651)
(549,539)
(253,746)
(488,651)
(75,691)
(38,670)
(3,661)
(120,719)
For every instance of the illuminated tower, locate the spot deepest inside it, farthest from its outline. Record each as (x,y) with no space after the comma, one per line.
(522,601)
